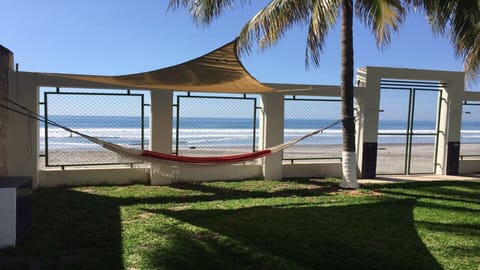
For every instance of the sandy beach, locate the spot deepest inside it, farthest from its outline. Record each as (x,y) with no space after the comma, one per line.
(390,157)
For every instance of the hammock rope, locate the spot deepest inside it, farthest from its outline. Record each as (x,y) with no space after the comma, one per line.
(152,156)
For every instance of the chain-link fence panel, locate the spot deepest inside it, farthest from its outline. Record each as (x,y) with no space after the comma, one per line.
(470,132)
(114,117)
(304,115)
(209,125)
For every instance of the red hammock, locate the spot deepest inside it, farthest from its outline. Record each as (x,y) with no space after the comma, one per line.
(206,160)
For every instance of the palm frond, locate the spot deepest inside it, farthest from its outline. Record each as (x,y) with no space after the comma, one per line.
(204,11)
(465,34)
(324,16)
(460,20)
(382,16)
(271,23)
(438,12)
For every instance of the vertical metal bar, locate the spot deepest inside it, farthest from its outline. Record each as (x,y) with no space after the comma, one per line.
(406,134)
(439,111)
(254,123)
(45,125)
(409,131)
(412,123)
(177,127)
(142,136)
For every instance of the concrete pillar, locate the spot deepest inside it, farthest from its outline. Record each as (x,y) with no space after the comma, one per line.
(450,125)
(271,133)
(161,115)
(23,134)
(6,67)
(368,100)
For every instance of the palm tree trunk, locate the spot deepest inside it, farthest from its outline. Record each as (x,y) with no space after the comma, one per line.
(349,161)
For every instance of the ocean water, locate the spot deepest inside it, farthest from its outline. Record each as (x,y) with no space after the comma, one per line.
(198,132)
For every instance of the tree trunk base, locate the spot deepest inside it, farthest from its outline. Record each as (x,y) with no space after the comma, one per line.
(349,170)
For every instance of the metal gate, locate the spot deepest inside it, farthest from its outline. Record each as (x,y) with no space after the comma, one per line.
(408,126)
(470,134)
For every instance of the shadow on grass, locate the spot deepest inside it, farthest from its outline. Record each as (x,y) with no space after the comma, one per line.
(71,230)
(81,230)
(454,191)
(367,236)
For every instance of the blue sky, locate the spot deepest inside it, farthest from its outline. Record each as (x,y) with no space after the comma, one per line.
(125,36)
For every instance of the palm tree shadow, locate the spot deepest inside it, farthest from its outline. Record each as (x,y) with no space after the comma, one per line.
(316,188)
(367,236)
(79,229)
(453,191)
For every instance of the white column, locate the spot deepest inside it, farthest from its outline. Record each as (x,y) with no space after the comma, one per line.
(450,125)
(161,115)
(368,100)
(271,133)
(23,137)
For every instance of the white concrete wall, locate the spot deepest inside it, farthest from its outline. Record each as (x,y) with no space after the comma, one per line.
(22,133)
(469,167)
(93,176)
(197,173)
(23,138)
(327,169)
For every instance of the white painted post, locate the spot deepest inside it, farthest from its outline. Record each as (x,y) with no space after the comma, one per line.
(271,133)
(368,99)
(23,134)
(161,115)
(450,125)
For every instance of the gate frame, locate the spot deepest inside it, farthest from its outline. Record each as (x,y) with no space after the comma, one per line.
(447,160)
(412,87)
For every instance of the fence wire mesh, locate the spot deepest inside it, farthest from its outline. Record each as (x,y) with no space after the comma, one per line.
(304,115)
(113,117)
(470,131)
(208,125)
(393,125)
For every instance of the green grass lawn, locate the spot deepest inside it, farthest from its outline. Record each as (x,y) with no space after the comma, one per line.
(291,224)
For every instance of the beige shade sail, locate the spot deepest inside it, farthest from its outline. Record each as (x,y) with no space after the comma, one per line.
(217,71)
